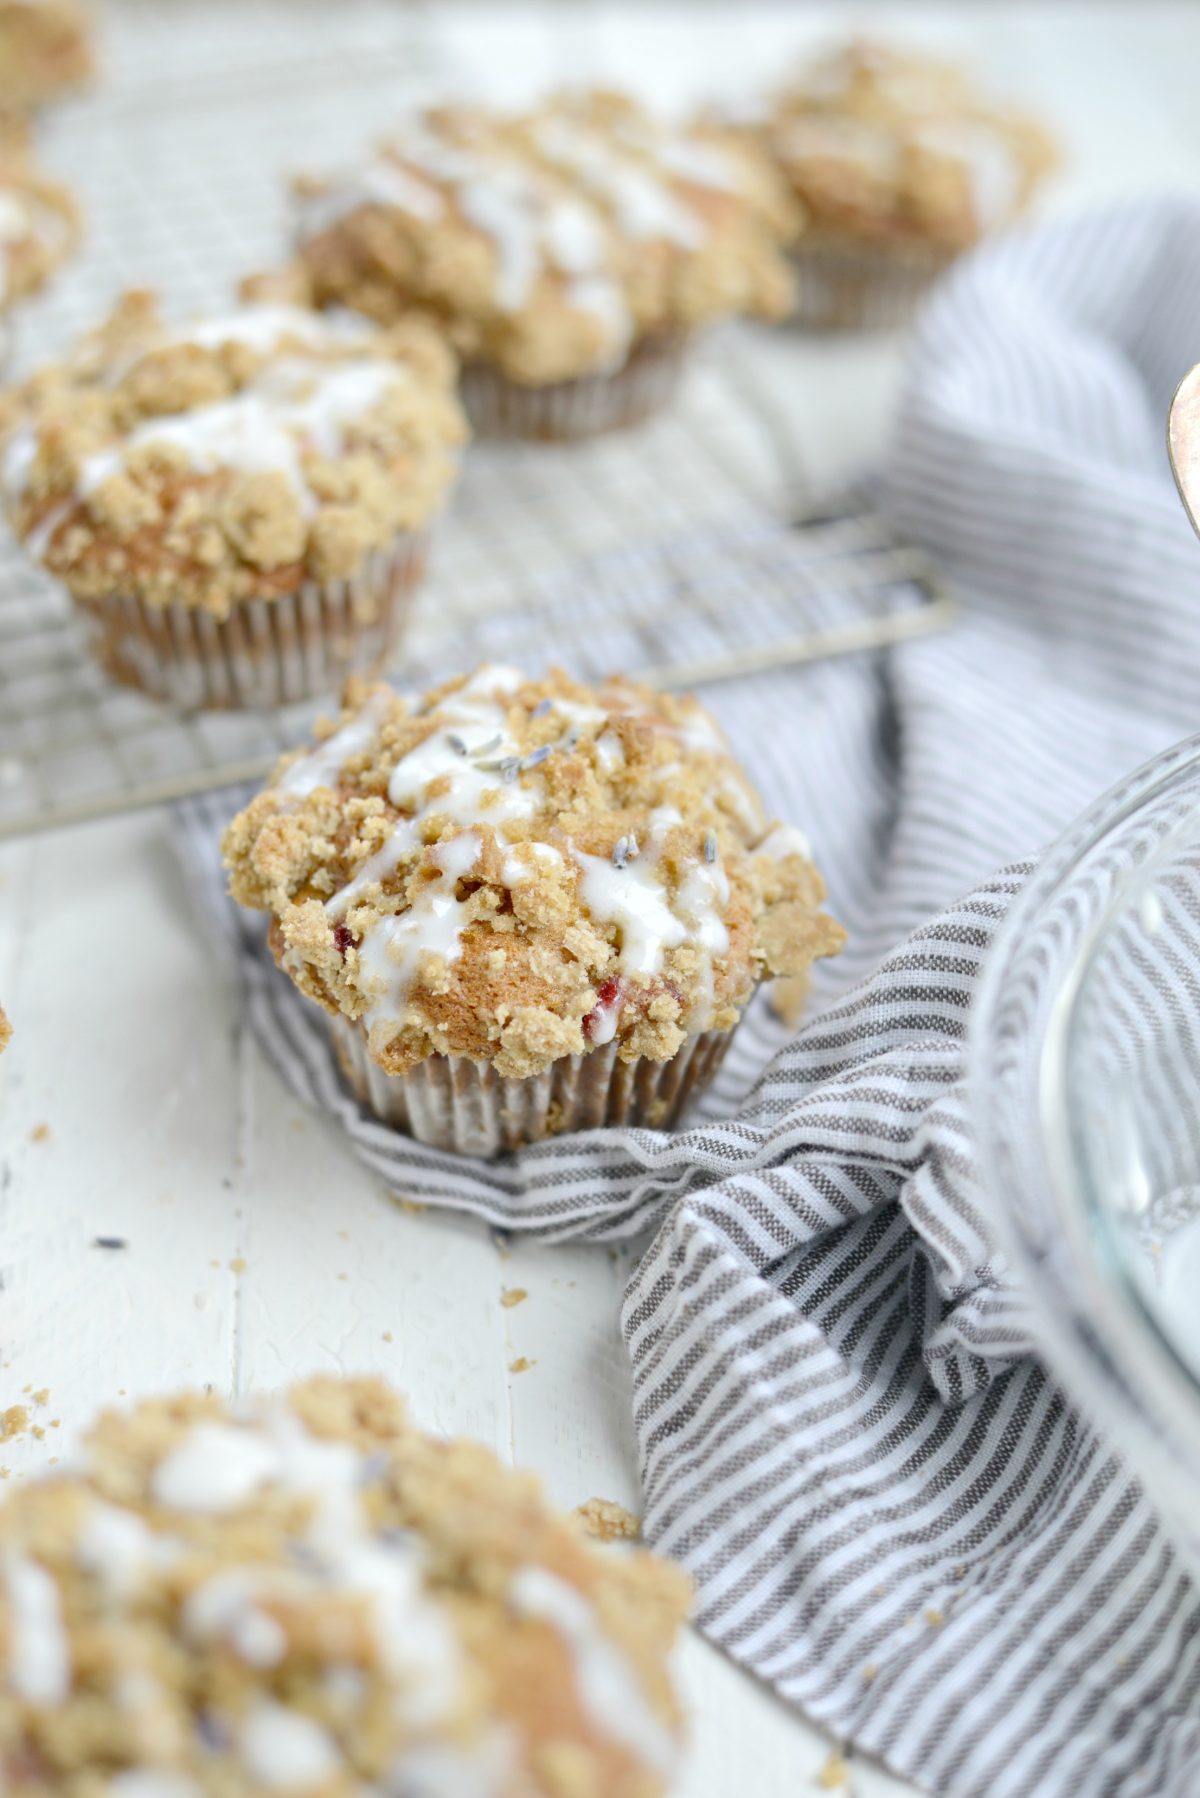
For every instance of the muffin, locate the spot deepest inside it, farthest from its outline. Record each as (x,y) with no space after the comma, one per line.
(527,906)
(310,1595)
(39,227)
(239,506)
(570,253)
(900,164)
(45,51)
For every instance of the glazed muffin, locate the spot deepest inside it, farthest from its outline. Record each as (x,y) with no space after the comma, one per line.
(45,51)
(900,164)
(570,252)
(527,906)
(310,1595)
(39,227)
(239,506)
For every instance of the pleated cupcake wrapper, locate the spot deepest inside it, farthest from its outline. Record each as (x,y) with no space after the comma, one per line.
(451,1102)
(588,406)
(267,652)
(861,287)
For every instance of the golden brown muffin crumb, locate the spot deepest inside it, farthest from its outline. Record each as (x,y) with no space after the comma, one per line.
(604,1520)
(548,242)
(39,226)
(519,870)
(311,1595)
(232,458)
(45,50)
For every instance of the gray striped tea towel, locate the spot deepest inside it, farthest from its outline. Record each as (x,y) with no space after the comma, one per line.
(892,1515)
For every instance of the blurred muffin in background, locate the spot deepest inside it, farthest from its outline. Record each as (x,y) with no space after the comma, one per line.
(901,164)
(39,225)
(571,252)
(240,504)
(45,51)
(308,1595)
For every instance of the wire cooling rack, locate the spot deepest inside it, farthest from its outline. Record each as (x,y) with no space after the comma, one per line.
(180,157)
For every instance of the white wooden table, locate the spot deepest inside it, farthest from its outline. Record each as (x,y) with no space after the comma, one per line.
(134,1105)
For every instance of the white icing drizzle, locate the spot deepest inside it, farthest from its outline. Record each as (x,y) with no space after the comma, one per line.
(414,1637)
(16,217)
(152,1782)
(635,900)
(607,1685)
(987,157)
(215,1468)
(226,1606)
(258,327)
(287,1751)
(402,842)
(294,402)
(516,869)
(322,765)
(505,206)
(868,146)
(609,752)
(120,1549)
(39,1655)
(382,182)
(784,839)
(644,206)
(442,1772)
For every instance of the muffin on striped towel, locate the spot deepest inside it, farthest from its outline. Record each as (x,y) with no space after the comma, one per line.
(527,906)
(900,163)
(239,505)
(571,252)
(308,1595)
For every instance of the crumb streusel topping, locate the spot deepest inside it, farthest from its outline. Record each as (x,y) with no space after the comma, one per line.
(519,870)
(39,227)
(310,1595)
(229,458)
(888,147)
(548,242)
(45,50)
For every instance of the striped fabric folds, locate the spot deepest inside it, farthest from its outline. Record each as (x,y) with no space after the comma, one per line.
(892,1514)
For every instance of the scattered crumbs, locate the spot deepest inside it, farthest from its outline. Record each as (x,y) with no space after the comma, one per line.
(40,1133)
(53,1461)
(3,1473)
(238,1264)
(109,1242)
(572,1283)
(121,1392)
(345,1235)
(56,1423)
(37,1432)
(881,1591)
(607,1521)
(13,1422)
(934,1618)
(296,1124)
(27,1388)
(343,1276)
(42,1396)
(835,1772)
(960,1573)
(512,1295)
(909,1622)
(214,1264)
(387,1336)
(522,1364)
(869,1671)
(412,1206)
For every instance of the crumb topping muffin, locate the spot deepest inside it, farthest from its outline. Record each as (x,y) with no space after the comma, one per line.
(518,871)
(548,243)
(892,148)
(312,1596)
(39,227)
(234,457)
(45,50)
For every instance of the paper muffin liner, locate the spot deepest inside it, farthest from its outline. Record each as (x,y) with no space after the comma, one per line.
(861,287)
(589,406)
(451,1102)
(267,652)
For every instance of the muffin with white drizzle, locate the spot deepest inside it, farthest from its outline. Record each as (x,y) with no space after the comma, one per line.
(571,252)
(239,505)
(528,906)
(900,163)
(310,1595)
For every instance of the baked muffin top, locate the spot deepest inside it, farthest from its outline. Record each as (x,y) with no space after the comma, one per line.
(889,147)
(45,50)
(231,457)
(547,242)
(311,1596)
(519,870)
(39,226)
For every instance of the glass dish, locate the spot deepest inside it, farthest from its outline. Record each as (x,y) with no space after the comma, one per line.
(1085,1094)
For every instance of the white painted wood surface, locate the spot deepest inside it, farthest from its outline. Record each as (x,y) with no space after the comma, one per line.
(258,1250)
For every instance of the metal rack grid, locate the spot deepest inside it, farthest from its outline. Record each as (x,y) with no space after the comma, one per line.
(180,157)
